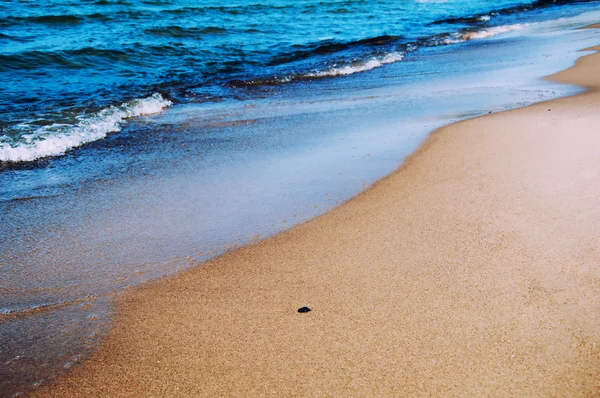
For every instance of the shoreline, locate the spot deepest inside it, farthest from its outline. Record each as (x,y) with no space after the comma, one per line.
(345,344)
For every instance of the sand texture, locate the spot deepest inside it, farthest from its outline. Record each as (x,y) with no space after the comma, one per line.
(474,270)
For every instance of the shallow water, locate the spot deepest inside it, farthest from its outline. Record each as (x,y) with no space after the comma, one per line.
(178,187)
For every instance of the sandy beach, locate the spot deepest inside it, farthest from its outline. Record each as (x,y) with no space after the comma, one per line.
(470,271)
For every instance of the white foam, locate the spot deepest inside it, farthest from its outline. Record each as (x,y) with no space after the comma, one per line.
(493,31)
(360,67)
(57,139)
(454,38)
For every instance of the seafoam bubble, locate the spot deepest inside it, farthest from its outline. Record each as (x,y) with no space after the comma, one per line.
(56,139)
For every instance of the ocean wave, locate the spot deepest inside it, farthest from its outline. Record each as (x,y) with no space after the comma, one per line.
(372,63)
(181,32)
(56,139)
(516,9)
(475,19)
(356,67)
(71,59)
(496,30)
(327,47)
(67,19)
(466,35)
(57,19)
(331,47)
(15,38)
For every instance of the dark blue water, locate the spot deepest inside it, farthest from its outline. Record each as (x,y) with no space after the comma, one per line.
(72,72)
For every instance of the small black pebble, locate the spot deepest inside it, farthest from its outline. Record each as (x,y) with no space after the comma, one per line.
(303,309)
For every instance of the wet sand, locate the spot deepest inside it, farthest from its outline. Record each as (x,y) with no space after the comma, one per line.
(471,271)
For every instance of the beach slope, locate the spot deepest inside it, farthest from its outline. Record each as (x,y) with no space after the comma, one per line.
(474,270)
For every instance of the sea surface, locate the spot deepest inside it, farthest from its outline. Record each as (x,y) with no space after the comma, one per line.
(141,138)
(72,72)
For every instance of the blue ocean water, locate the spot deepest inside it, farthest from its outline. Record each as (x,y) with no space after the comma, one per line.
(72,72)
(142,138)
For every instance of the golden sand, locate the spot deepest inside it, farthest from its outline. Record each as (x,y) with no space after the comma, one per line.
(474,270)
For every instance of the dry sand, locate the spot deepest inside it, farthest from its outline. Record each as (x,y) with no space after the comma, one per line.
(474,270)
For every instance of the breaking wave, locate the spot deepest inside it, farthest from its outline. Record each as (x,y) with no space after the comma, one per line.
(56,139)
(482,34)
(372,63)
